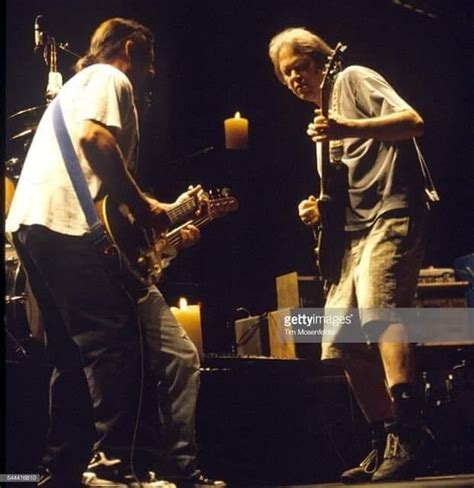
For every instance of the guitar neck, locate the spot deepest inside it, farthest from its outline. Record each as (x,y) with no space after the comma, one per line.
(182,210)
(214,209)
(322,155)
(332,68)
(174,237)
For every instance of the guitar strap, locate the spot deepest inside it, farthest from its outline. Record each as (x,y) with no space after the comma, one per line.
(430,190)
(76,175)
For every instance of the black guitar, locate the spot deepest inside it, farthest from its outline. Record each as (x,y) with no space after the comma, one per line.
(140,248)
(147,254)
(333,190)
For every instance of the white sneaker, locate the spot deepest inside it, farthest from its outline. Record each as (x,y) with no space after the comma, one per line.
(90,479)
(109,473)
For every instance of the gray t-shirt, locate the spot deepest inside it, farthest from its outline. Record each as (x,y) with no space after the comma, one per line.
(383,175)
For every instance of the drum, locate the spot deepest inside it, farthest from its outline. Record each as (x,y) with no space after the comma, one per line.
(9,192)
(13,169)
(23,323)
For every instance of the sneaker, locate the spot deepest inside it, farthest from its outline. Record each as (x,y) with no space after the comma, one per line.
(406,455)
(129,481)
(49,480)
(365,470)
(200,481)
(110,472)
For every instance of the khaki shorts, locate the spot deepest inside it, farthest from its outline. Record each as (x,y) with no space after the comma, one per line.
(380,270)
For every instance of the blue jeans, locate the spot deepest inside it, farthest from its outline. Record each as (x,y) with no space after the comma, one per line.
(93,323)
(172,370)
(91,331)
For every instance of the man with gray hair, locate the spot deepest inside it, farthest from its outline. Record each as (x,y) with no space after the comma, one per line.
(385,220)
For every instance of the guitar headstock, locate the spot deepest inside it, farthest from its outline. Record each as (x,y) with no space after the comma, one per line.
(220,203)
(331,69)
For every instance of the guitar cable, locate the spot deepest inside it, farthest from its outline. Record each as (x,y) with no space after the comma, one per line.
(135,301)
(140,401)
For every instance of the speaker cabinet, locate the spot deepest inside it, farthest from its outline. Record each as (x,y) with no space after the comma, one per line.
(260,336)
(251,336)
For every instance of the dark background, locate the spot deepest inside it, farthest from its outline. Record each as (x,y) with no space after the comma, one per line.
(211,59)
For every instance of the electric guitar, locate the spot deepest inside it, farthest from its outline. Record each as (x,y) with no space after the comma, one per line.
(141,248)
(144,251)
(333,190)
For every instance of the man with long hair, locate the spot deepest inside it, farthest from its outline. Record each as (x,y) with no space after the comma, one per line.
(93,310)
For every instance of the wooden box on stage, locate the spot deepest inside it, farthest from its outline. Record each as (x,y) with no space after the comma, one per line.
(294,290)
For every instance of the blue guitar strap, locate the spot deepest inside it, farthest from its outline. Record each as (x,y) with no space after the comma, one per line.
(75,173)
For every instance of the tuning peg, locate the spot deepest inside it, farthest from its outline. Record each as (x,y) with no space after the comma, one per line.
(225,192)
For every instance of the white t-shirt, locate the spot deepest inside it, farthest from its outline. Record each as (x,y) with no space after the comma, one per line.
(44,194)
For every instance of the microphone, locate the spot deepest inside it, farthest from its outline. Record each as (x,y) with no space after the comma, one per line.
(39,34)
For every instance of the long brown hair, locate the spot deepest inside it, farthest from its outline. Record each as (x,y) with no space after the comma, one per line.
(110,37)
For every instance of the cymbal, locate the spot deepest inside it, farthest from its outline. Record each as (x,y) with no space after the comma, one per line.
(24,133)
(28,111)
(21,126)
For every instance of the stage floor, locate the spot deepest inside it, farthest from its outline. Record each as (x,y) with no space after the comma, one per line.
(453,481)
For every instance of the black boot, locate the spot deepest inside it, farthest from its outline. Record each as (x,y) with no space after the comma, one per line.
(198,481)
(407,453)
(365,470)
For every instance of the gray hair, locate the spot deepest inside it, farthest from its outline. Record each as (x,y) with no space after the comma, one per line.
(303,42)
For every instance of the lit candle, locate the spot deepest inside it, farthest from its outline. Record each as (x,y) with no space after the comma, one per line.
(236,132)
(189,317)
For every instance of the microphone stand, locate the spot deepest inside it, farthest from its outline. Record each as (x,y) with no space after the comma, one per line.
(55,79)
(190,157)
(50,56)
(64,46)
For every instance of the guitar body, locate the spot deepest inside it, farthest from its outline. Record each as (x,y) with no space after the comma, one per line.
(332,209)
(141,252)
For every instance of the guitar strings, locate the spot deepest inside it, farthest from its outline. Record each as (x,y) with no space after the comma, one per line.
(175,212)
(176,237)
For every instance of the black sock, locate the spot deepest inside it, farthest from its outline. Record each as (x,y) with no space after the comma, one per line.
(406,404)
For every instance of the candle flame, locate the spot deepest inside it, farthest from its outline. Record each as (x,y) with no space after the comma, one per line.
(237,115)
(183,303)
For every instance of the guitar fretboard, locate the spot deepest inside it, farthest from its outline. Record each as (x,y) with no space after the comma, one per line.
(181,211)
(174,237)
